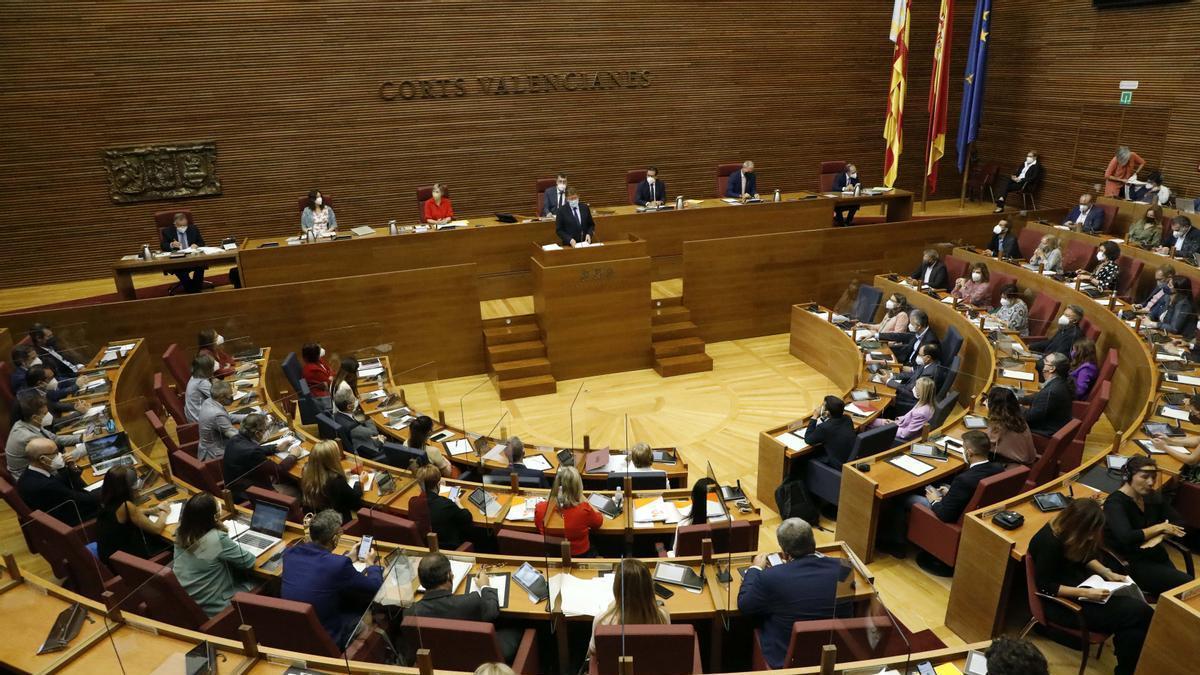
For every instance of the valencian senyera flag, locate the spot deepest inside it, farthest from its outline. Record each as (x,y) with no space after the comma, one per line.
(899,84)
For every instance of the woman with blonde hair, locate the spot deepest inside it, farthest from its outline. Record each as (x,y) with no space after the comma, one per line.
(323,483)
(910,424)
(578,516)
(1048,254)
(633,600)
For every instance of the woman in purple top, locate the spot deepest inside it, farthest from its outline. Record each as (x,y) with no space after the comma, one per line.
(910,424)
(1083,367)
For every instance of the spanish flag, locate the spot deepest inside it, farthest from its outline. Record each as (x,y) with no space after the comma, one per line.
(899,84)
(939,94)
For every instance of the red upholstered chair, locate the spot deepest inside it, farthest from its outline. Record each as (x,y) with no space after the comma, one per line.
(1110,218)
(171,401)
(161,431)
(7,396)
(956,268)
(464,645)
(9,493)
(736,537)
(1089,329)
(1127,277)
(723,171)
(1046,466)
(385,527)
(1042,316)
(1073,454)
(176,363)
(1027,241)
(856,639)
(260,494)
(65,549)
(424,194)
(291,625)
(206,476)
(302,202)
(940,538)
(165,219)
(1187,504)
(998,280)
(1079,630)
(155,593)
(829,171)
(541,186)
(670,649)
(632,180)
(1078,255)
(527,544)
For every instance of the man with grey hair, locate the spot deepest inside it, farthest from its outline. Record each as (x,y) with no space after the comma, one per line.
(1124,165)
(514,449)
(248,462)
(216,424)
(742,184)
(802,588)
(314,574)
(365,439)
(1050,408)
(1085,217)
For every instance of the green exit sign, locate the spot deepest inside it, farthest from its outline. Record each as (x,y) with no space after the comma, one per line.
(1126,98)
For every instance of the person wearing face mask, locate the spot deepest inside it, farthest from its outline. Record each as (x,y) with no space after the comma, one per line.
(33,418)
(216,424)
(1003,243)
(976,288)
(1147,231)
(651,192)
(932,271)
(895,316)
(199,386)
(247,462)
(555,196)
(1085,217)
(1155,302)
(1179,318)
(365,439)
(1137,523)
(742,184)
(1184,241)
(1048,254)
(52,485)
(41,380)
(1152,191)
(845,182)
(1050,408)
(437,209)
(317,216)
(1029,174)
(209,342)
(928,365)
(24,359)
(1124,166)
(906,346)
(573,223)
(52,355)
(1013,312)
(1108,271)
(832,429)
(183,235)
(316,371)
(1068,332)
(1084,367)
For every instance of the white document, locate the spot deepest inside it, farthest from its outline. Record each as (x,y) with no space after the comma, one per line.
(95,410)
(523,511)
(1117,241)
(401,423)
(458,447)
(1161,356)
(839,318)
(370,373)
(537,462)
(95,384)
(552,247)
(658,510)
(173,514)
(581,597)
(496,454)
(1113,588)
(582,244)
(1017,374)
(500,582)
(1174,413)
(617,464)
(1188,379)
(731,200)
(363,230)
(911,464)
(235,528)
(459,569)
(792,441)
(863,334)
(949,300)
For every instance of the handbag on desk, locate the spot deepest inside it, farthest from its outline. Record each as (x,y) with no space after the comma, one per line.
(1009,520)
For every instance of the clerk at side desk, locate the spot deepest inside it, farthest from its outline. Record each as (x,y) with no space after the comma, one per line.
(573,222)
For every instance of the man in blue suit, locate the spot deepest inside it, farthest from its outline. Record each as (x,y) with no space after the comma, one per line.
(573,222)
(555,196)
(845,182)
(183,235)
(803,588)
(313,573)
(743,184)
(1086,216)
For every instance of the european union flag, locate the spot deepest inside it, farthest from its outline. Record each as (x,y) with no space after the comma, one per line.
(972,103)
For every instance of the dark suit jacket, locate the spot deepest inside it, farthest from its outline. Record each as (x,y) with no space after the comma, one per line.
(907,345)
(1050,408)
(60,495)
(1093,222)
(734,188)
(647,193)
(329,583)
(440,603)
(362,435)
(1060,342)
(962,488)
(836,435)
(1180,317)
(799,590)
(1007,248)
(842,180)
(168,235)
(522,471)
(451,522)
(907,381)
(247,463)
(1032,175)
(61,369)
(550,200)
(1155,309)
(937,279)
(568,228)
(1191,242)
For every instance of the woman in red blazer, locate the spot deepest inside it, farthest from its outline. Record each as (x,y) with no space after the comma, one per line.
(437,208)
(579,518)
(316,371)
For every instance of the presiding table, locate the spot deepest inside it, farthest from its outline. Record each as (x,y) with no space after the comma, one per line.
(124,269)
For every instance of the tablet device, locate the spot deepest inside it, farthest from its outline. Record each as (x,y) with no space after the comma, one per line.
(1050,501)
(532,581)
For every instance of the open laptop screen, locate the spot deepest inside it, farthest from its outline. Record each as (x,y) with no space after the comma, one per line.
(107,447)
(269,519)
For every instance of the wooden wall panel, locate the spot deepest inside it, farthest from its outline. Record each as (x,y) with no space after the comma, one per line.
(289,92)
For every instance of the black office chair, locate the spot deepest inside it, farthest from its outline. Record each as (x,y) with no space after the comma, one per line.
(942,410)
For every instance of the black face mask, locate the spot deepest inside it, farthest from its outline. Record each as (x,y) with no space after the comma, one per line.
(1193,418)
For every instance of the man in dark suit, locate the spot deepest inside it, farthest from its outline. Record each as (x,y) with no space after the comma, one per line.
(803,588)
(833,430)
(440,602)
(742,184)
(845,182)
(1155,302)
(1184,240)
(1068,332)
(948,501)
(929,364)
(1086,217)
(573,222)
(1050,408)
(247,461)
(184,236)
(651,192)
(906,346)
(555,196)
(50,485)
(932,271)
(515,449)
(441,515)
(61,360)
(365,439)
(1030,174)
(1004,242)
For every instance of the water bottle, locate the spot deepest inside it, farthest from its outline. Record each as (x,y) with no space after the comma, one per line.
(778,197)
(392,228)
(145,251)
(857,189)
(679,203)
(619,498)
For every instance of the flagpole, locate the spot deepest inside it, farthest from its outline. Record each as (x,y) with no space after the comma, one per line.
(962,197)
(924,189)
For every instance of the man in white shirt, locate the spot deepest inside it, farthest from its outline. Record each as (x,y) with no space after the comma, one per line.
(1030,173)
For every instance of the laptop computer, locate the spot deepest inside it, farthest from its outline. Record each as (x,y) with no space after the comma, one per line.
(678,575)
(565,457)
(109,451)
(267,524)
(1185,204)
(604,504)
(596,460)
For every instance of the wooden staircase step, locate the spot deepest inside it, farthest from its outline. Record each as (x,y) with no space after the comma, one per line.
(669,314)
(680,365)
(521,368)
(672,331)
(515,320)
(527,386)
(500,335)
(678,347)
(515,351)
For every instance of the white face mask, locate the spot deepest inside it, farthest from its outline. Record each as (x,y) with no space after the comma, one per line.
(976,277)
(322,352)
(1005,302)
(890,304)
(574,203)
(181,230)
(1100,256)
(319,201)
(47,419)
(912,327)
(57,462)
(854,174)
(1063,320)
(220,340)
(1084,207)
(997,229)
(1030,160)
(650,179)
(562,185)
(52,384)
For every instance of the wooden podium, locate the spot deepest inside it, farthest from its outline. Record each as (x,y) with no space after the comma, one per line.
(594,307)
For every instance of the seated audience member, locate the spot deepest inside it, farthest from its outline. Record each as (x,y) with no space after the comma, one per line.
(206,559)
(1179,317)
(1187,448)
(651,192)
(418,440)
(1048,254)
(1066,336)
(323,483)
(976,289)
(122,525)
(1050,408)
(317,217)
(1155,302)
(911,424)
(451,522)
(932,271)
(199,386)
(929,364)
(184,236)
(555,196)
(248,462)
(1030,173)
(1013,312)
(845,303)
(39,379)
(1147,231)
(216,423)
(365,439)
(316,371)
(1084,368)
(209,342)
(33,416)
(514,449)
(1085,217)
(641,458)
(1183,242)
(1136,520)
(346,377)
(1065,553)
(54,357)
(1013,656)
(578,516)
(698,512)
(832,429)
(25,359)
(313,573)
(1105,275)
(742,184)
(51,485)
(1124,165)
(842,183)
(803,588)
(1152,192)
(1004,242)
(1007,429)
(948,501)
(907,346)
(440,601)
(437,209)
(573,223)
(895,316)
(634,602)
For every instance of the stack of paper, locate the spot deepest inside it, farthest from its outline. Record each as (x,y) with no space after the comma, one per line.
(496,454)
(792,441)
(551,247)
(581,597)
(460,446)
(524,510)
(656,511)
(95,410)
(537,462)
(617,464)
(1175,413)
(371,372)
(1016,374)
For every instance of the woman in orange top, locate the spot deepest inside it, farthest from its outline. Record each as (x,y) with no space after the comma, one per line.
(578,516)
(1120,168)
(437,208)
